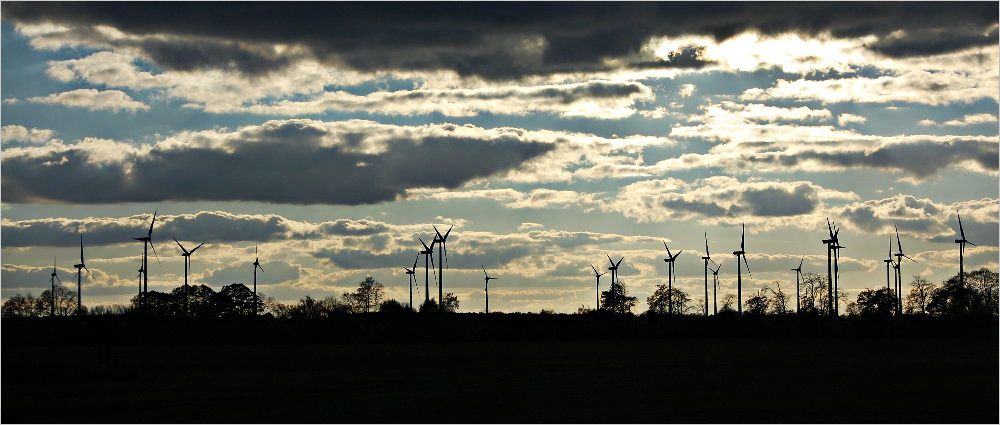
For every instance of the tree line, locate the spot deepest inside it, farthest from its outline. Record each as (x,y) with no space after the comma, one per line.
(978,295)
(235,300)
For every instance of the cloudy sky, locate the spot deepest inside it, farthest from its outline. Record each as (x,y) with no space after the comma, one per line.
(332,136)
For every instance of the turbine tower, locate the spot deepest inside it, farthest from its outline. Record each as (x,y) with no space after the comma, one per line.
(707,258)
(899,272)
(428,253)
(256,265)
(961,252)
(79,279)
(888,263)
(187,264)
(411,278)
(739,270)
(488,279)
(715,288)
(836,269)
(442,241)
(670,277)
(798,274)
(598,276)
(53,278)
(147,243)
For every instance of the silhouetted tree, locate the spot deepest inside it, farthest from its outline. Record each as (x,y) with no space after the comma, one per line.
(393,307)
(777,300)
(202,301)
(616,299)
(757,304)
(22,306)
(369,295)
(728,303)
(65,301)
(659,301)
(584,310)
(920,295)
(429,306)
(110,310)
(450,304)
(236,300)
(873,302)
(976,297)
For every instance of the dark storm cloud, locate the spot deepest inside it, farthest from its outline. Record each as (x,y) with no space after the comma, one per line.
(919,159)
(781,202)
(496,40)
(295,161)
(206,226)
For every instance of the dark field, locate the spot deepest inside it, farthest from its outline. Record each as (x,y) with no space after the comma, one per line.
(472,368)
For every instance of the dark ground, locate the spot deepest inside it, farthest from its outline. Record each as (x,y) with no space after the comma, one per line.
(514,368)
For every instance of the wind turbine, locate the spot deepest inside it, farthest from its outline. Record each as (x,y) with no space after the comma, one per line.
(798,274)
(428,253)
(53,278)
(961,252)
(836,269)
(79,279)
(899,272)
(707,258)
(442,250)
(739,270)
(256,265)
(829,266)
(715,288)
(614,269)
(410,277)
(187,264)
(147,242)
(670,277)
(488,279)
(598,276)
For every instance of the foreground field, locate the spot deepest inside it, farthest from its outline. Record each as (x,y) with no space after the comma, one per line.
(679,378)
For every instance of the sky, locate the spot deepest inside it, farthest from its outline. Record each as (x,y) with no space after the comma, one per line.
(333,136)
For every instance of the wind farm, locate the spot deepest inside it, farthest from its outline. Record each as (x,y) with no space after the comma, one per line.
(306,157)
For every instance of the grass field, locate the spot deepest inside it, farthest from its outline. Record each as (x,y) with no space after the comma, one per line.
(681,378)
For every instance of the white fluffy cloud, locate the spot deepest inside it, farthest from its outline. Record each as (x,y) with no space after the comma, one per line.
(94,100)
(20,133)
(964,121)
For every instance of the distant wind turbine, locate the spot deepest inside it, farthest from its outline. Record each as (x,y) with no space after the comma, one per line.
(715,288)
(428,253)
(798,274)
(899,272)
(411,278)
(614,269)
(442,241)
(53,278)
(961,251)
(256,265)
(836,270)
(147,243)
(670,277)
(79,279)
(187,264)
(829,266)
(888,263)
(598,276)
(739,270)
(707,258)
(488,279)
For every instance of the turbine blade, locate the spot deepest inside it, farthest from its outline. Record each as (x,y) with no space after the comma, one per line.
(179,244)
(81,249)
(800,262)
(415,261)
(447,233)
(58,279)
(908,258)
(196,248)
(154,252)
(960,228)
(749,273)
(970,243)
(149,234)
(595,269)
(610,260)
(706,245)
(619,262)
(436,231)
(425,245)
(743,236)
(88,272)
(678,253)
(259,267)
